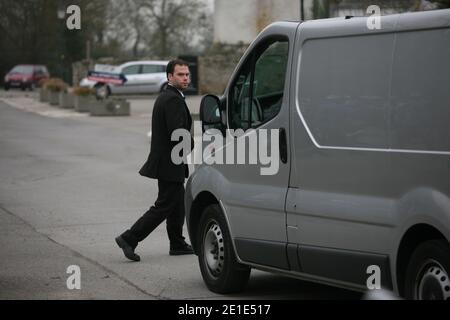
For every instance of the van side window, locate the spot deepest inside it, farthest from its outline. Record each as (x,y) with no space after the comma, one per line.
(257,93)
(239,100)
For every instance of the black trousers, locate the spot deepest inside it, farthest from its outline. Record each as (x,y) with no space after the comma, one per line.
(170,206)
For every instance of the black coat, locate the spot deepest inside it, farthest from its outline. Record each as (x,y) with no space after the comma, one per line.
(169,113)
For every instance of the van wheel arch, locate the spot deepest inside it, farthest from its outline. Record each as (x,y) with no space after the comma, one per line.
(201,202)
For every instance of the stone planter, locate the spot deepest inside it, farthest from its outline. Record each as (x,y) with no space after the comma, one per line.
(111,107)
(66,100)
(84,103)
(53,98)
(43,95)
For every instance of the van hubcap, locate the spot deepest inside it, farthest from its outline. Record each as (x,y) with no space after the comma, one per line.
(214,249)
(434,284)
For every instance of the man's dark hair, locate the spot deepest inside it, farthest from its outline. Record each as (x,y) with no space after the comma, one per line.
(172,63)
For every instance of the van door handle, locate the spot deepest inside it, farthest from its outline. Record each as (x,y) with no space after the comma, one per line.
(283,145)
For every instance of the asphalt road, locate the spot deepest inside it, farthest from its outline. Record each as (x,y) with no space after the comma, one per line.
(68,186)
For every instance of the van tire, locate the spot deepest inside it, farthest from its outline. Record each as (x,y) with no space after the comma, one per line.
(218,264)
(427,275)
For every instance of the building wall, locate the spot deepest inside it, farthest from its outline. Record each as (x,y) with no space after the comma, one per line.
(233,21)
(215,68)
(238,21)
(236,25)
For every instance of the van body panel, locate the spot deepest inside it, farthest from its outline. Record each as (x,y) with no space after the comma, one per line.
(419,110)
(323,218)
(269,253)
(359,174)
(341,103)
(345,265)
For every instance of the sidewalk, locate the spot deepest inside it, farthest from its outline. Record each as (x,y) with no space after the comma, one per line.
(140,106)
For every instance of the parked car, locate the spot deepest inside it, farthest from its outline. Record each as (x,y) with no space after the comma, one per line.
(143,77)
(25,76)
(362,192)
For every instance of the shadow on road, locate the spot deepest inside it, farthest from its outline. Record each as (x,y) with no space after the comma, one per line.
(271,286)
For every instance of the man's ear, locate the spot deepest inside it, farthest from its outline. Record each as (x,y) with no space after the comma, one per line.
(169,76)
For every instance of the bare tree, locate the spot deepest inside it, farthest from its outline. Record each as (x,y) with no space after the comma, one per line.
(127,24)
(160,28)
(21,24)
(173,22)
(30,32)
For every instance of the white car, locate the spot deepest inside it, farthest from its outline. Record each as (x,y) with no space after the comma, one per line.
(143,77)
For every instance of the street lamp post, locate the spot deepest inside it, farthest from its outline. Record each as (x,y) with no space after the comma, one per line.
(61,14)
(302,10)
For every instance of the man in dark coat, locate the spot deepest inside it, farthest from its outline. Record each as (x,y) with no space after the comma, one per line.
(170,113)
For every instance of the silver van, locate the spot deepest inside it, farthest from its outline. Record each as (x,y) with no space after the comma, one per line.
(361,197)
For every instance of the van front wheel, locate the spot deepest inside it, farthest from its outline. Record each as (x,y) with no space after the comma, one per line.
(427,276)
(218,264)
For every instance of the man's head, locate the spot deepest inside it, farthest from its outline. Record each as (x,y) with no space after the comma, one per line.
(178,74)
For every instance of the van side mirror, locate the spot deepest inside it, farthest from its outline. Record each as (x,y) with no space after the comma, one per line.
(210,113)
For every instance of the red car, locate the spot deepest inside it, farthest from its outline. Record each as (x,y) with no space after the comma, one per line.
(25,76)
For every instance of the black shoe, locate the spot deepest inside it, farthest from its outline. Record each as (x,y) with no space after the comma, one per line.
(128,251)
(186,249)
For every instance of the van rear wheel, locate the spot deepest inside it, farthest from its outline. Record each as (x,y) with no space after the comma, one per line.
(427,275)
(218,264)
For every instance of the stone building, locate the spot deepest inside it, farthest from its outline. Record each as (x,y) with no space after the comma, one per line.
(241,20)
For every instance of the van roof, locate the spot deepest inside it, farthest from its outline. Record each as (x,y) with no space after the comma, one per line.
(351,24)
(441,17)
